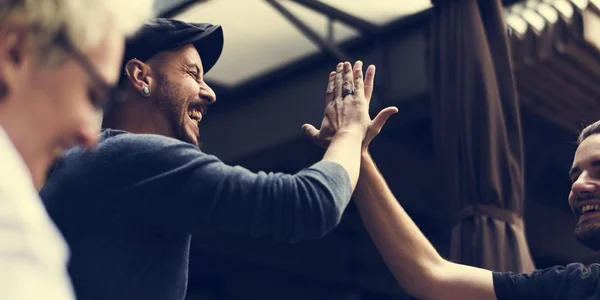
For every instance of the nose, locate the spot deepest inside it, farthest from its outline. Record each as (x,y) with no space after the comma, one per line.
(88,133)
(207,94)
(87,138)
(584,185)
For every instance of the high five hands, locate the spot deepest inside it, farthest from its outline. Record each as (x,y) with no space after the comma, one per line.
(347,100)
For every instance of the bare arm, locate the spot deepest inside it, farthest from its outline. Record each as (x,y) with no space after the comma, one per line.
(345,151)
(414,262)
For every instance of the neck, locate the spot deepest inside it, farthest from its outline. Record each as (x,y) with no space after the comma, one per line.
(137,115)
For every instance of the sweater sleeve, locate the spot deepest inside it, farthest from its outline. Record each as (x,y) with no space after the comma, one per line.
(172,184)
(574,281)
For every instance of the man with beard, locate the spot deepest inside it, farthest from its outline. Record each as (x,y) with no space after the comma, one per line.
(423,273)
(128,207)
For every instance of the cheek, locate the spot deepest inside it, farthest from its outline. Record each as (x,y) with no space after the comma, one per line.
(187,95)
(571,198)
(66,105)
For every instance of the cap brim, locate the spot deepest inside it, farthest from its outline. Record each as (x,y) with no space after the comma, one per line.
(209,45)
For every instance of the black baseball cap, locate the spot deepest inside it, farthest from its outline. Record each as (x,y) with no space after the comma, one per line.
(163,34)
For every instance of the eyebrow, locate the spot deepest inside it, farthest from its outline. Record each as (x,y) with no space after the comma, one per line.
(574,170)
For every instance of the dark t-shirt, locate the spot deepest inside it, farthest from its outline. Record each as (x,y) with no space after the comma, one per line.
(573,282)
(128,207)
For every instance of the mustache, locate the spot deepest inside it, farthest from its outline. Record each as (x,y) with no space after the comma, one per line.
(201,107)
(587,196)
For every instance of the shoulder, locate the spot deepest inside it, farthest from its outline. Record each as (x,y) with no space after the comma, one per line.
(146,151)
(119,146)
(120,151)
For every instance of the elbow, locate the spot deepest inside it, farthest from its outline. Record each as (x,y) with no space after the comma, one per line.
(428,282)
(318,200)
(323,210)
(330,216)
(324,216)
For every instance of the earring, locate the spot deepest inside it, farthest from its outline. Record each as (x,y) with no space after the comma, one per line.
(146,91)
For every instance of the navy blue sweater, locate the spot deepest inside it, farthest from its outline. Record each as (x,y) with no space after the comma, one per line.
(572,282)
(128,208)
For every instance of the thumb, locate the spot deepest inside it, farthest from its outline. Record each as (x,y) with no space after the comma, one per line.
(310,131)
(383,116)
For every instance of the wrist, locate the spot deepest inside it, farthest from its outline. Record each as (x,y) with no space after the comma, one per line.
(365,159)
(354,132)
(355,128)
(364,153)
(346,140)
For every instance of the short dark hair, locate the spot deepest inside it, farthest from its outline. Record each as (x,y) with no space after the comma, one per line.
(588,131)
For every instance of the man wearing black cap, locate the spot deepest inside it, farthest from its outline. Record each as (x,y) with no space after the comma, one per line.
(128,207)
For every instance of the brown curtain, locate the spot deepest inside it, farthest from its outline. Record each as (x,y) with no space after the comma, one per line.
(477,135)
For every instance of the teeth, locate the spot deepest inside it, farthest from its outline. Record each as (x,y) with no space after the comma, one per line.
(194,114)
(591,207)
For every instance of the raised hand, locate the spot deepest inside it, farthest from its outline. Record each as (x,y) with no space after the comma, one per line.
(362,91)
(346,108)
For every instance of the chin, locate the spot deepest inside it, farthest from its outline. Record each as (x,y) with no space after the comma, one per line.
(195,141)
(39,179)
(187,136)
(588,234)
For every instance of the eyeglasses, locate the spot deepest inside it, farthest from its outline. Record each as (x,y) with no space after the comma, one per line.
(104,93)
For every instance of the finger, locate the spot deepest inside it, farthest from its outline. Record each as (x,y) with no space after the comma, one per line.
(339,79)
(382,117)
(356,65)
(369,82)
(358,77)
(310,131)
(329,93)
(348,78)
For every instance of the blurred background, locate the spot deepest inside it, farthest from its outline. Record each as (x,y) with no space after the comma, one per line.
(271,79)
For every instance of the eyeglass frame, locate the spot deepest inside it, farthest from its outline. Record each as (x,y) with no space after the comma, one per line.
(110,93)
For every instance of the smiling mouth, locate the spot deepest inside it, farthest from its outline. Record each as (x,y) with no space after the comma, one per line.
(590,208)
(195,115)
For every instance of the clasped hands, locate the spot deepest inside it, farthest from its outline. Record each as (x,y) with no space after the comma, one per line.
(347,100)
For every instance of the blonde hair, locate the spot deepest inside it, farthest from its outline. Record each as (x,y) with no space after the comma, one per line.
(84,23)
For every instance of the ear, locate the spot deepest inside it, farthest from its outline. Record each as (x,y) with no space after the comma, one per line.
(13,50)
(139,75)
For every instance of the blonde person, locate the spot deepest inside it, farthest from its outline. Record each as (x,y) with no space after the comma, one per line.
(59,62)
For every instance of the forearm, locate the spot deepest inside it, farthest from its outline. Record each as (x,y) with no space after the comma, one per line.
(345,150)
(414,262)
(406,251)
